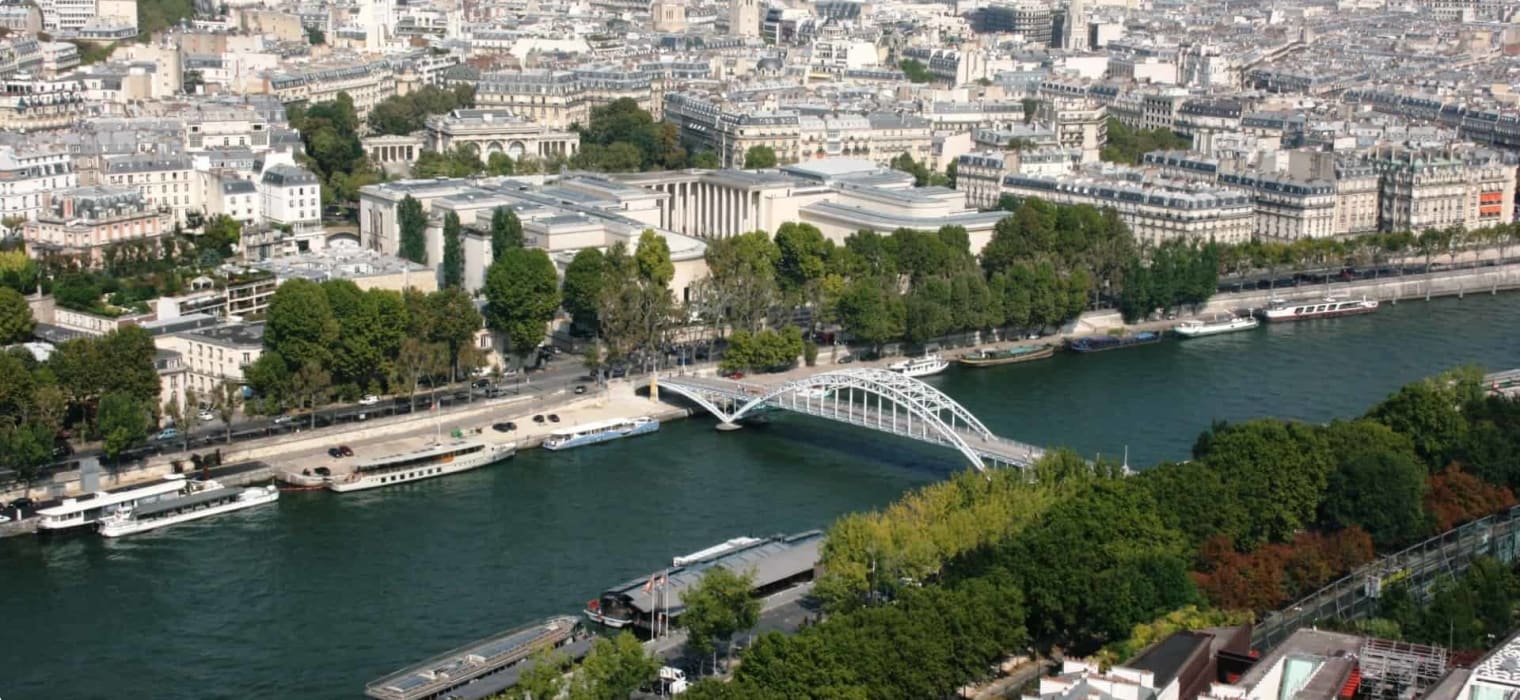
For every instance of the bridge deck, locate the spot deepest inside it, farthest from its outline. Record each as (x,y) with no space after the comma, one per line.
(875,416)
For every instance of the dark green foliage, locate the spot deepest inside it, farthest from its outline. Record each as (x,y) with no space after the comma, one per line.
(453,252)
(1175,273)
(16,322)
(766,351)
(123,422)
(759,157)
(1380,492)
(300,325)
(925,644)
(462,161)
(405,114)
(1276,470)
(622,137)
(522,289)
(915,70)
(413,224)
(156,15)
(1430,412)
(506,232)
(582,288)
(1126,145)
(1473,612)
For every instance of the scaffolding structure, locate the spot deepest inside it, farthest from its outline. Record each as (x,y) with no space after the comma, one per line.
(1399,669)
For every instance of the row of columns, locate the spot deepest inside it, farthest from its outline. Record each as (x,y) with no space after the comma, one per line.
(708,211)
(392,154)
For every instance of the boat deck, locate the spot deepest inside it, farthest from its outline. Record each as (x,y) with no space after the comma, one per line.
(194,499)
(460,666)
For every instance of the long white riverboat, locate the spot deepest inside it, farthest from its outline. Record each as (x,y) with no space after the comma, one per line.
(200,499)
(920,366)
(429,462)
(1280,310)
(1226,323)
(91,508)
(600,431)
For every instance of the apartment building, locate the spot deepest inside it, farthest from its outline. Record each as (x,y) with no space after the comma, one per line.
(1424,188)
(1079,124)
(216,355)
(38,104)
(1287,209)
(366,83)
(290,195)
(82,221)
(26,175)
(167,182)
(879,136)
(1156,209)
(730,132)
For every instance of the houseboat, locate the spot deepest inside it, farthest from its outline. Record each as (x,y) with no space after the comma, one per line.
(90,509)
(200,499)
(600,431)
(427,463)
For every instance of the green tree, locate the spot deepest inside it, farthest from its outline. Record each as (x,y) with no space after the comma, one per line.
(225,400)
(613,669)
(582,288)
(718,607)
(311,384)
(741,286)
(456,320)
(269,377)
(1126,145)
(506,232)
(653,258)
(16,321)
(453,252)
(706,160)
(803,256)
(25,449)
(1430,412)
(543,678)
(413,225)
(522,293)
(123,423)
(499,163)
(758,157)
(1277,471)
(1380,492)
(915,70)
(315,36)
(872,312)
(300,325)
(221,236)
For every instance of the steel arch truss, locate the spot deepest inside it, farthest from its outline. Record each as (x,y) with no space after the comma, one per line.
(872,398)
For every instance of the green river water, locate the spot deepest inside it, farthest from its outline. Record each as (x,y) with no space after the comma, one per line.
(317,595)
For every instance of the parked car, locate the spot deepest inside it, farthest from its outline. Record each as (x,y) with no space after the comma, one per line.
(335,453)
(281,419)
(206,416)
(553,417)
(323,471)
(580,388)
(167,434)
(538,418)
(369,400)
(23,503)
(504,427)
(346,452)
(734,374)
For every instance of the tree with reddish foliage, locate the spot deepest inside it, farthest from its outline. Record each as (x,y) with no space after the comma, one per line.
(1276,573)
(1453,497)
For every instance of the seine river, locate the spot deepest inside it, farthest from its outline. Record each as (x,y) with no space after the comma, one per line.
(316,596)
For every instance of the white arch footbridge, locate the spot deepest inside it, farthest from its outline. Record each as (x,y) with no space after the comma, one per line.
(877,399)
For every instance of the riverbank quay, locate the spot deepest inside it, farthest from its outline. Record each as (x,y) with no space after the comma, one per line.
(262,460)
(1426,286)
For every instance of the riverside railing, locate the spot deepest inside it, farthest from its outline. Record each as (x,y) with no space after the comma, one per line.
(1420,568)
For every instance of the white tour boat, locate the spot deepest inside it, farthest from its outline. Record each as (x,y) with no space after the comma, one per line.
(426,463)
(1226,323)
(1329,307)
(920,366)
(91,508)
(200,499)
(600,431)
